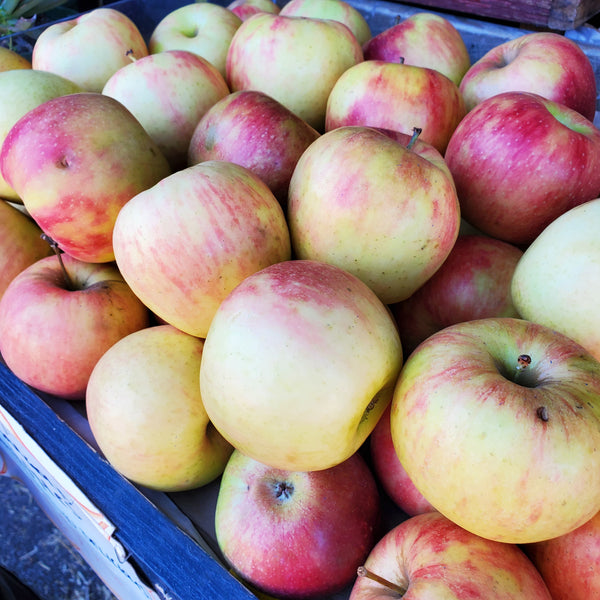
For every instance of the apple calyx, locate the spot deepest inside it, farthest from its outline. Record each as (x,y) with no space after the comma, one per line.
(415,136)
(542,413)
(68,281)
(362,571)
(283,490)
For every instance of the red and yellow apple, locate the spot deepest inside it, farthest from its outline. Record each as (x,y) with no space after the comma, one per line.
(53,330)
(168,93)
(424,39)
(89,48)
(185,243)
(74,161)
(296,534)
(256,131)
(497,423)
(21,243)
(473,282)
(428,556)
(368,204)
(299,363)
(396,96)
(267,50)
(519,161)
(21,90)
(543,62)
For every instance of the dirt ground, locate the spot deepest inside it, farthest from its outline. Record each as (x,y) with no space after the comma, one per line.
(38,553)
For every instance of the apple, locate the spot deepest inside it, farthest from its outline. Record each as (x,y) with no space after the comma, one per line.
(54,328)
(168,93)
(570,563)
(204,28)
(9,60)
(474,282)
(396,96)
(74,161)
(296,534)
(21,90)
(519,161)
(20,242)
(185,243)
(146,414)
(418,146)
(390,473)
(337,10)
(245,9)
(497,422)
(366,203)
(423,39)
(428,556)
(556,281)
(543,62)
(89,48)
(256,131)
(299,363)
(267,50)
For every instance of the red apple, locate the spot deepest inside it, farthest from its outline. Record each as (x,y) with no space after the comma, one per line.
(299,363)
(54,330)
(267,50)
(473,282)
(545,63)
(391,474)
(256,131)
(75,161)
(429,557)
(519,161)
(396,96)
(185,243)
(570,563)
(497,422)
(296,534)
(366,203)
(424,39)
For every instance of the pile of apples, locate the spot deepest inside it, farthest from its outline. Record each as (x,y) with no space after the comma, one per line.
(322,267)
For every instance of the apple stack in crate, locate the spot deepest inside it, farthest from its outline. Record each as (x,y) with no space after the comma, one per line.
(326,269)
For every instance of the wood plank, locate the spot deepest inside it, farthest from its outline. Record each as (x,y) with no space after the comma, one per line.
(166,555)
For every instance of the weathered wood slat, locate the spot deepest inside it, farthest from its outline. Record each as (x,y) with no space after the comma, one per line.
(551,14)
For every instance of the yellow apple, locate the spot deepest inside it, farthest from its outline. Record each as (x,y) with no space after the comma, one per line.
(146,413)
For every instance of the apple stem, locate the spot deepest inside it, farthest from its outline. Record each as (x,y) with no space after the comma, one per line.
(130,55)
(362,571)
(58,252)
(415,135)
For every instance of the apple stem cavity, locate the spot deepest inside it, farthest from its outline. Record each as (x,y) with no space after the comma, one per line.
(415,136)
(58,252)
(362,571)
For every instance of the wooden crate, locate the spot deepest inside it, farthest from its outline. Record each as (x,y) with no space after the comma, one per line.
(559,15)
